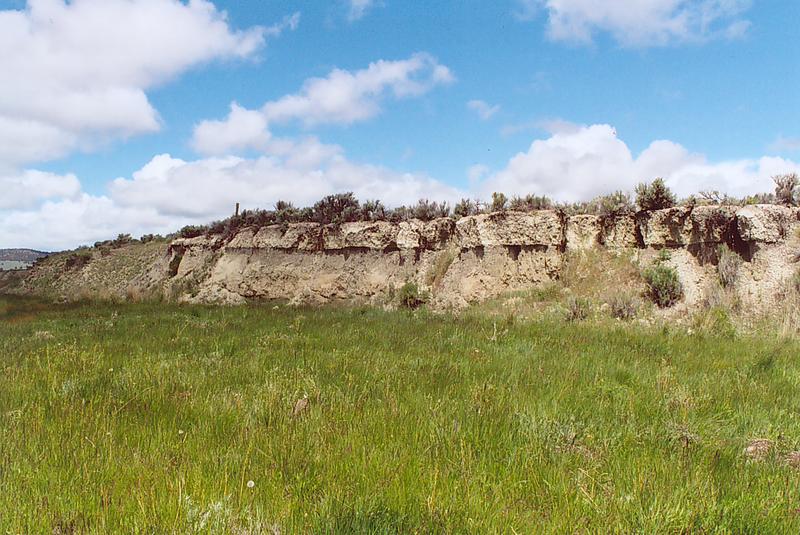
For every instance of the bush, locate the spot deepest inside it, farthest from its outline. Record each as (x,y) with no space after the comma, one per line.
(727,266)
(337,209)
(192,231)
(612,205)
(623,306)
(654,196)
(786,188)
(664,286)
(578,308)
(373,211)
(410,297)
(78,260)
(499,202)
(466,208)
(530,203)
(426,210)
(121,240)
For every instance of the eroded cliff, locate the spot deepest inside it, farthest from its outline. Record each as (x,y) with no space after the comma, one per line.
(477,257)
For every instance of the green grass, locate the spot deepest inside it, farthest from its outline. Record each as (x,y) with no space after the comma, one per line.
(152,418)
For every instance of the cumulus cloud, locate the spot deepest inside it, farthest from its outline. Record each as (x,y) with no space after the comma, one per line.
(30,187)
(345,97)
(299,171)
(580,162)
(81,69)
(342,97)
(638,23)
(167,193)
(485,111)
(242,129)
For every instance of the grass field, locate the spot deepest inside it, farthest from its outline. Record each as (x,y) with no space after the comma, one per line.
(154,418)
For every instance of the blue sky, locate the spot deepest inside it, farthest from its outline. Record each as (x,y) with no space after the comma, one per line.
(541,96)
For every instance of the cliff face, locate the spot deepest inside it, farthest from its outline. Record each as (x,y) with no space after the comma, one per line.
(477,257)
(455,262)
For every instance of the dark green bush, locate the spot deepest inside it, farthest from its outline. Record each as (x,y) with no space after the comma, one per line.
(409,296)
(654,196)
(337,209)
(192,231)
(664,286)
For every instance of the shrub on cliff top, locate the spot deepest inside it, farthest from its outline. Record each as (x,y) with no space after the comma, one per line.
(530,203)
(499,202)
(337,209)
(654,196)
(466,208)
(786,188)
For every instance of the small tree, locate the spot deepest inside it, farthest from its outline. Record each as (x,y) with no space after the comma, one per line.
(786,188)
(654,196)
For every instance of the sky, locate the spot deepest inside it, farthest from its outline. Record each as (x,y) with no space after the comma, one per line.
(141,116)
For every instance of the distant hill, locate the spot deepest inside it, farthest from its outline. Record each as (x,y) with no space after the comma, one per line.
(13,259)
(21,255)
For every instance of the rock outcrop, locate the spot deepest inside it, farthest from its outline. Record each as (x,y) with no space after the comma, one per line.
(456,262)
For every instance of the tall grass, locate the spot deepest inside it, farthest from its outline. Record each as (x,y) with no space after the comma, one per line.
(153,418)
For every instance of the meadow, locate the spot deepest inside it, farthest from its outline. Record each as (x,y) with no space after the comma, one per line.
(159,418)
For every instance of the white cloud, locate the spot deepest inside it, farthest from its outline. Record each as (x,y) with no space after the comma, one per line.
(485,111)
(167,193)
(31,187)
(83,219)
(81,69)
(343,97)
(301,172)
(242,129)
(580,162)
(359,8)
(639,23)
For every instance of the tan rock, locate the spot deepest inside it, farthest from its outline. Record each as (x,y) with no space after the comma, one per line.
(364,235)
(619,232)
(583,232)
(765,223)
(544,227)
(681,226)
